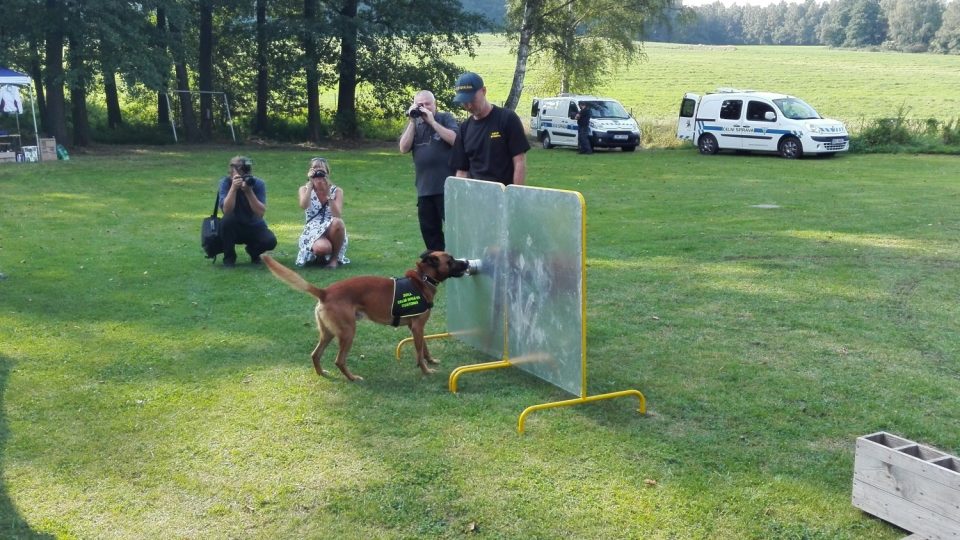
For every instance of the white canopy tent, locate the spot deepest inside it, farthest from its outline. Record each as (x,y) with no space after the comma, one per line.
(8,77)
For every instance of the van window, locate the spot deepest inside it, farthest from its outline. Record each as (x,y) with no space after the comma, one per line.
(607,109)
(572,110)
(535,108)
(730,109)
(756,110)
(687,108)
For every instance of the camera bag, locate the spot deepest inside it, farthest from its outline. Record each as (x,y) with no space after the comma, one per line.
(210,233)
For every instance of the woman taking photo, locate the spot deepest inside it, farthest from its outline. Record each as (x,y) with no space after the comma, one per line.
(324,237)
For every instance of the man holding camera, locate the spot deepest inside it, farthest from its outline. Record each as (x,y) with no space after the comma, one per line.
(430,134)
(243,199)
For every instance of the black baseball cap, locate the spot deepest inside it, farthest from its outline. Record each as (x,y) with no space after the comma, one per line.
(467,86)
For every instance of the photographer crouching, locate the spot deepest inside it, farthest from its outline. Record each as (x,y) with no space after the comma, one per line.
(243,199)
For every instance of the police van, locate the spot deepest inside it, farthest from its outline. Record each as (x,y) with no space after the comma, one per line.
(552,122)
(749,120)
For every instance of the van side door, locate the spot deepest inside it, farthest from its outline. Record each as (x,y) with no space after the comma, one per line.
(686,126)
(760,123)
(728,126)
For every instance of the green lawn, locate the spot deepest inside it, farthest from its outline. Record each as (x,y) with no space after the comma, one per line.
(148,394)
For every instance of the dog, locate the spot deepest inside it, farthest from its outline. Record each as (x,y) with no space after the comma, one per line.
(341,304)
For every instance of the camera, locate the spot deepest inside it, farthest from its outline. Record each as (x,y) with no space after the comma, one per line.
(249,179)
(318,174)
(415,113)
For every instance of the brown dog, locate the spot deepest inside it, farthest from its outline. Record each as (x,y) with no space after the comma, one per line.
(341,304)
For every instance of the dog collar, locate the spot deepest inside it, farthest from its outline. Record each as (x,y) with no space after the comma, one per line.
(430,281)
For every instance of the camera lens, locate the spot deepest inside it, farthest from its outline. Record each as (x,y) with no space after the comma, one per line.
(249,180)
(318,174)
(415,113)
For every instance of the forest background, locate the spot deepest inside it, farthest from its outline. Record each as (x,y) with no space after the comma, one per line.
(109,71)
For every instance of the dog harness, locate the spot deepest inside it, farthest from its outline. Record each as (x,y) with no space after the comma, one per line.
(407,301)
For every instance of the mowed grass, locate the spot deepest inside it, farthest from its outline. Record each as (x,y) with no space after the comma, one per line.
(849,85)
(148,394)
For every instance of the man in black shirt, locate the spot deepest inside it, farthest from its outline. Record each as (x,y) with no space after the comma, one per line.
(583,129)
(492,144)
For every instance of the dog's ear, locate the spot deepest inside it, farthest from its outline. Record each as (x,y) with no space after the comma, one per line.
(429,259)
(425,255)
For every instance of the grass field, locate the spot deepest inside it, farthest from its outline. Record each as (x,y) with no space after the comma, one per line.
(148,394)
(845,84)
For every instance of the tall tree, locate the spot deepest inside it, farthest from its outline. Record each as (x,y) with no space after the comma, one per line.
(947,38)
(348,30)
(56,20)
(913,23)
(582,38)
(867,25)
(263,71)
(833,27)
(311,58)
(205,69)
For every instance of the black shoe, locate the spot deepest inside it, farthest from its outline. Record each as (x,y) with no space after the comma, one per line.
(229,263)
(255,259)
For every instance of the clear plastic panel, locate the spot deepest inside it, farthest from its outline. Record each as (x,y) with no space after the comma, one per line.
(544,285)
(475,229)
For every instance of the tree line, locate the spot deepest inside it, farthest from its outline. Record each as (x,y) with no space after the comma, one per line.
(898,25)
(272,56)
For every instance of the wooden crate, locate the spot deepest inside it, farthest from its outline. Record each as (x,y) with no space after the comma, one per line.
(913,486)
(48,149)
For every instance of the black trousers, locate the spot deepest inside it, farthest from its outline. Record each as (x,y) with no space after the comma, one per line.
(257,238)
(583,140)
(430,213)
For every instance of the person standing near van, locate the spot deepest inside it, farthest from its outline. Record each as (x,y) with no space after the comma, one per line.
(492,144)
(583,129)
(430,135)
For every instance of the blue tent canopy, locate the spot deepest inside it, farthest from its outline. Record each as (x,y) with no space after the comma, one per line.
(15,78)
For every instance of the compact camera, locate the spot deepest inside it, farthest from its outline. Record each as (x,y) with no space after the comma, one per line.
(415,113)
(318,174)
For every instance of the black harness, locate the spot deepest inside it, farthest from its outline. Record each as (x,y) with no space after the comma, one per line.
(407,300)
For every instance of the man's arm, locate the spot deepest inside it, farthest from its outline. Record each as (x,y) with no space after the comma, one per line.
(462,174)
(448,135)
(519,169)
(258,207)
(406,140)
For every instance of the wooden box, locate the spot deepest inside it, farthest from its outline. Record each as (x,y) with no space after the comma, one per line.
(913,486)
(48,149)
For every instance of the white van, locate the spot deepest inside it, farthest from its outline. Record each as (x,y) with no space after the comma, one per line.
(552,122)
(748,120)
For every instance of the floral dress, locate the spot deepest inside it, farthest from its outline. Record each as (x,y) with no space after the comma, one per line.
(318,218)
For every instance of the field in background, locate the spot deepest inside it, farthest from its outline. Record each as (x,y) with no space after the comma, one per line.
(852,86)
(146,393)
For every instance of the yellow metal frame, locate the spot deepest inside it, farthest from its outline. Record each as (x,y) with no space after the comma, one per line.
(404,341)
(505,362)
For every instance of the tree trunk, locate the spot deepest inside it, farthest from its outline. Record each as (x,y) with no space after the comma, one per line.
(205,69)
(260,122)
(346,120)
(530,9)
(56,123)
(114,115)
(313,78)
(78,90)
(163,111)
(36,73)
(187,117)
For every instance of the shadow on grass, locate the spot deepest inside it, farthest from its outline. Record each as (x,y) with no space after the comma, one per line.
(12,524)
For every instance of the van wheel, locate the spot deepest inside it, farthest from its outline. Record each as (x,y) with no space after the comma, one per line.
(708,145)
(546,142)
(790,148)
(629,148)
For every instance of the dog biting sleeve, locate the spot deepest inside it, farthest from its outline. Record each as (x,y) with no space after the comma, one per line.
(407,301)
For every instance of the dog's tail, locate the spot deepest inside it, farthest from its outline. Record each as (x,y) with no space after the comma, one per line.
(292,278)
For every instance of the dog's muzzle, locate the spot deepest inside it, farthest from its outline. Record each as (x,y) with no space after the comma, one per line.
(461,267)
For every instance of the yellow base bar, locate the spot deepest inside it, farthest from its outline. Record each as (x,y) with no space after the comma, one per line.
(455,374)
(410,340)
(642,409)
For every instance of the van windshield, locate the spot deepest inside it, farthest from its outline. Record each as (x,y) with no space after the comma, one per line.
(796,109)
(607,109)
